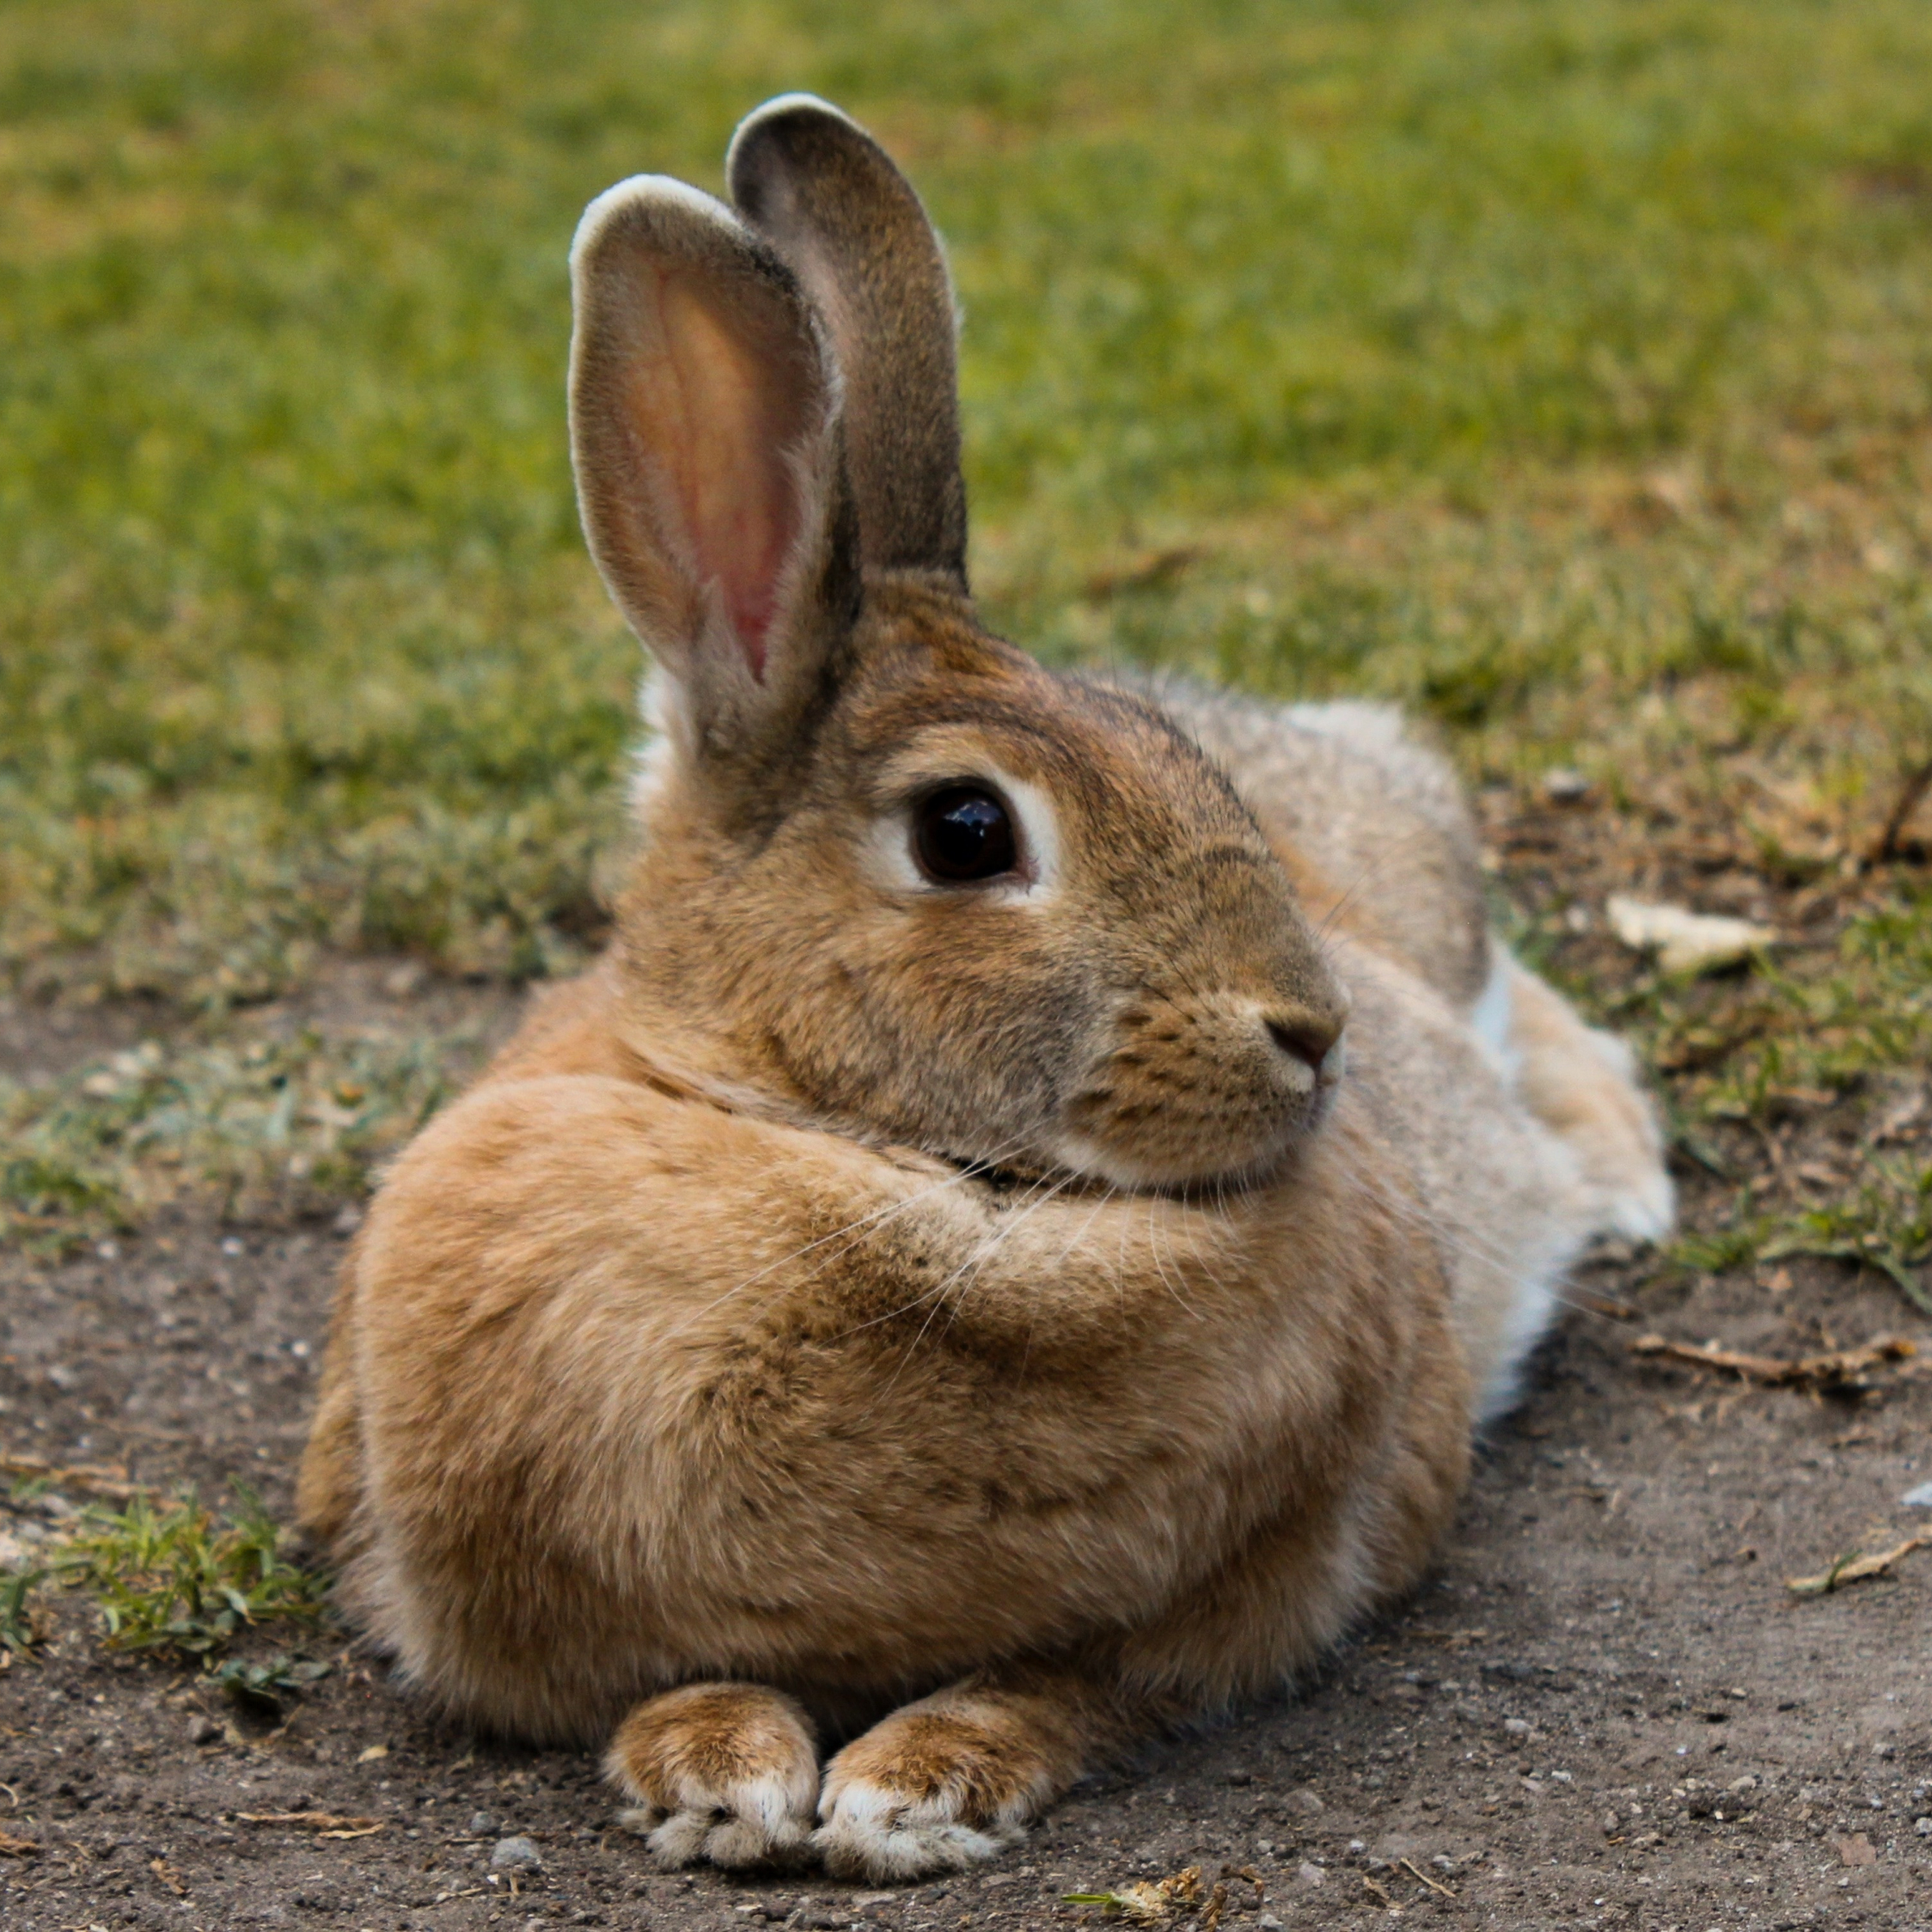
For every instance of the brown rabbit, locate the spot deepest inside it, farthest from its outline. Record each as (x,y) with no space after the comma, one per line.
(938,1273)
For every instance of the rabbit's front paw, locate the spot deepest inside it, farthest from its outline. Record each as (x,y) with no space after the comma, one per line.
(938,1787)
(723,1773)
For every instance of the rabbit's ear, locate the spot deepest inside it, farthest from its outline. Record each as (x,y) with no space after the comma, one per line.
(704,415)
(827,197)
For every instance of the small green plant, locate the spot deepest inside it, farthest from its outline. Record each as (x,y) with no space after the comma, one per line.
(266,1686)
(179,1577)
(1886,1225)
(292,1123)
(20,1624)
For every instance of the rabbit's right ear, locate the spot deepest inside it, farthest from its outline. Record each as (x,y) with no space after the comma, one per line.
(704,416)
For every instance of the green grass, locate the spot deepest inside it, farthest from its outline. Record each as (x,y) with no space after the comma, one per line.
(1384,305)
(180,1579)
(289,1124)
(1561,368)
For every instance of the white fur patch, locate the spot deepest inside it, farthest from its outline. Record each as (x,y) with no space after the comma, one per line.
(642,191)
(758,1821)
(762,1820)
(1491,1017)
(1647,1211)
(873,1832)
(1371,727)
(1530,1310)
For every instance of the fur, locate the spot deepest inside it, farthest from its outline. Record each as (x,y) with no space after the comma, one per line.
(983,1323)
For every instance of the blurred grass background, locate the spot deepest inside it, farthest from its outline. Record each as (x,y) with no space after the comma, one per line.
(1528,360)
(1561,368)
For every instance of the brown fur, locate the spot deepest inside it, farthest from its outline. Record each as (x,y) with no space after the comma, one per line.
(858,1289)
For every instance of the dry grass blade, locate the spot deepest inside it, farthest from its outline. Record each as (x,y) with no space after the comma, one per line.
(1854,1568)
(1911,794)
(1608,1306)
(168,1876)
(328,1825)
(11,1847)
(100,1479)
(1837,1368)
(1409,1866)
(1155,573)
(1149,1902)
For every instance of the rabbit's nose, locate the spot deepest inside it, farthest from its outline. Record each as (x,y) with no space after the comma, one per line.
(1304,1035)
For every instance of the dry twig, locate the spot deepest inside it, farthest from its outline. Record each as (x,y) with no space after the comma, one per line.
(1409,1866)
(102,1479)
(1837,1368)
(1917,783)
(1853,1569)
(326,1825)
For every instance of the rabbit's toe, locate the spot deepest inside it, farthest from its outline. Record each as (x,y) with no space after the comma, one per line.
(723,1774)
(928,1790)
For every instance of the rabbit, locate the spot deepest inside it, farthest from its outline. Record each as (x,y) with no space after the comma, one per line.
(1007,1252)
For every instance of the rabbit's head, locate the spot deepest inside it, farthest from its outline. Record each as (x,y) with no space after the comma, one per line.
(896,880)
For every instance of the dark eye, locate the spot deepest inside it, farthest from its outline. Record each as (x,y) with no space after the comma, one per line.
(963,834)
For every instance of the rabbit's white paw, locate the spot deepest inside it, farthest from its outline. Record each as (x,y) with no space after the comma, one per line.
(928,1789)
(872,1832)
(723,1774)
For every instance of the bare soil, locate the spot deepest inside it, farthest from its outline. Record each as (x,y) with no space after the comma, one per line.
(1603,1708)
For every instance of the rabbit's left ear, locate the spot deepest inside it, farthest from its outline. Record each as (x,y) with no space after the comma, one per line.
(827,197)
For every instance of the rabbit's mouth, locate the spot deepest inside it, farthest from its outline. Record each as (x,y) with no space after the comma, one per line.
(1214,1090)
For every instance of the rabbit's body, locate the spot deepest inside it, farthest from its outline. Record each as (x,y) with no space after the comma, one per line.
(981,1286)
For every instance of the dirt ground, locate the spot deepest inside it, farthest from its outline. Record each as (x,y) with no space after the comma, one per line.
(1603,1708)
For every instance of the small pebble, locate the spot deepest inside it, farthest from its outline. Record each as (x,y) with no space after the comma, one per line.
(1562,786)
(1306,1874)
(1304,1802)
(1922,1826)
(1268,1923)
(1920,1498)
(481,1824)
(516,1855)
(203,1729)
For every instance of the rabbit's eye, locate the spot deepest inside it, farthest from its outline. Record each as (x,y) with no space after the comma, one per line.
(963,834)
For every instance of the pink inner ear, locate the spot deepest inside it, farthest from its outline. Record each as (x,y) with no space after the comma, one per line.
(731,395)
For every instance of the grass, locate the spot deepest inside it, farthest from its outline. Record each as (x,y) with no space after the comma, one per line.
(173,1578)
(1559,368)
(177,1578)
(292,1123)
